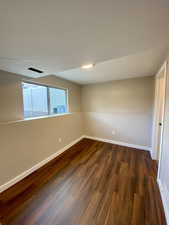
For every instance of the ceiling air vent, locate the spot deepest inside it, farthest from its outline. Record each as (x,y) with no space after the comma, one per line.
(35,70)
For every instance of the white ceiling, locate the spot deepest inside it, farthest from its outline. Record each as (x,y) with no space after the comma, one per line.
(55,36)
(138,65)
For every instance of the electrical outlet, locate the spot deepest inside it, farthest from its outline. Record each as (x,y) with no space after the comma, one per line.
(113,132)
(60,139)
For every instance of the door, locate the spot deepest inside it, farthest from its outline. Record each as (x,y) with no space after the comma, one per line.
(160,86)
(161,103)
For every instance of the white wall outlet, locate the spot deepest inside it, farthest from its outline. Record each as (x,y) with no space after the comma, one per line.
(60,139)
(113,132)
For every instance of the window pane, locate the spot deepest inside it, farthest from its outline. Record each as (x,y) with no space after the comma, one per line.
(58,100)
(35,100)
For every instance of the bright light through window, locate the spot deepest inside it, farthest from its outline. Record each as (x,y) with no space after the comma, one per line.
(42,100)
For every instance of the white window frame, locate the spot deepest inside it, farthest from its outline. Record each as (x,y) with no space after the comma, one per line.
(48,98)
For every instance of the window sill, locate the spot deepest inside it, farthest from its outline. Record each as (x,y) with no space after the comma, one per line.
(48,116)
(36,118)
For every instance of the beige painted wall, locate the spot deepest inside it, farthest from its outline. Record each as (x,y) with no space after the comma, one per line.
(11,94)
(26,143)
(10,97)
(123,106)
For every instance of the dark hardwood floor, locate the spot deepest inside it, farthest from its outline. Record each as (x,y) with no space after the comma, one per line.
(93,183)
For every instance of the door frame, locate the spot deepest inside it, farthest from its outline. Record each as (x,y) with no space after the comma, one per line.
(154,150)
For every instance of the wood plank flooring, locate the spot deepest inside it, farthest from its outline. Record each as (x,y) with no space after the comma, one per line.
(93,183)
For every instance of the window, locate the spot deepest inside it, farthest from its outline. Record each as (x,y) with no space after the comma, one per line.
(42,100)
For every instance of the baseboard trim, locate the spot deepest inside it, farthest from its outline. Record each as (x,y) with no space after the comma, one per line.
(146,148)
(42,163)
(37,166)
(165,199)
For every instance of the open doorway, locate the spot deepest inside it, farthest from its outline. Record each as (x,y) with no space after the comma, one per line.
(160,88)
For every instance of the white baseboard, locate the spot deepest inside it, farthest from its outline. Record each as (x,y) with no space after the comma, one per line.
(42,163)
(119,143)
(165,199)
(37,166)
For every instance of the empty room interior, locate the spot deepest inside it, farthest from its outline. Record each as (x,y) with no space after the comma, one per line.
(84,112)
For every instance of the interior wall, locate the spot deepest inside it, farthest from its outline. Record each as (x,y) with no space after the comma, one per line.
(120,110)
(26,143)
(11,101)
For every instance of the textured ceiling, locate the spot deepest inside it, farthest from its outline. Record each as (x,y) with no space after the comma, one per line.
(61,35)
